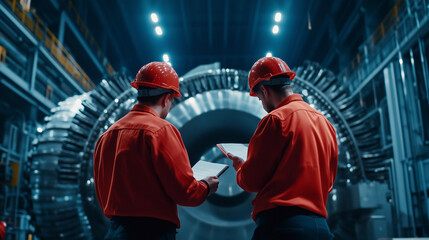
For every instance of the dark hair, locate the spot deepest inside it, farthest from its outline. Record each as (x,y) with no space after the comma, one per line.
(151,100)
(278,89)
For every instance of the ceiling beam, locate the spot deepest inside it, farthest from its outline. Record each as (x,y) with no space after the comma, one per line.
(216,56)
(210,23)
(225,27)
(303,33)
(352,20)
(185,24)
(255,22)
(330,55)
(318,41)
(339,38)
(225,24)
(107,28)
(129,29)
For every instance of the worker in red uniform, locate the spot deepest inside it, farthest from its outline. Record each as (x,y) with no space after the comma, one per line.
(3,230)
(141,167)
(291,161)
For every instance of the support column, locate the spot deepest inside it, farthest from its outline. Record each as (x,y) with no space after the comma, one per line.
(403,207)
(32,68)
(62,27)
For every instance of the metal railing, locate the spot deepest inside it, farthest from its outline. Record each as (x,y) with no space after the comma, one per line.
(88,36)
(394,29)
(50,41)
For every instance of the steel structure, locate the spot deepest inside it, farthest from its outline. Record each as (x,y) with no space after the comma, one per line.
(215,107)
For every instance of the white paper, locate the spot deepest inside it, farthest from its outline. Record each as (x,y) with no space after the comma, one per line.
(236,149)
(204,169)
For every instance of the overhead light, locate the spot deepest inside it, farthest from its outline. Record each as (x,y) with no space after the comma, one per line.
(158,30)
(269,54)
(39,129)
(154,17)
(276,29)
(165,58)
(278,17)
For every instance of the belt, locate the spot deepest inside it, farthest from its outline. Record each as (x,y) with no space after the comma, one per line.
(144,222)
(282,212)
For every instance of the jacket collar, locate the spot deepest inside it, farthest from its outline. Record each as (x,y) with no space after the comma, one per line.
(291,98)
(144,108)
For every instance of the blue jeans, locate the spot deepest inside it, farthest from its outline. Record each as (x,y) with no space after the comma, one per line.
(137,228)
(295,223)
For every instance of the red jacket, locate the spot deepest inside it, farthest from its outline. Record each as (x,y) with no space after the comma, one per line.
(292,159)
(2,230)
(141,168)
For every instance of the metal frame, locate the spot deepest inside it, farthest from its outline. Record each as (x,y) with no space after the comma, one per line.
(423,59)
(421,25)
(400,159)
(65,21)
(411,52)
(422,177)
(18,142)
(16,23)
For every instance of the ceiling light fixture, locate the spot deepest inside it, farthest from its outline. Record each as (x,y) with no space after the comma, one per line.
(158,30)
(154,17)
(278,17)
(166,58)
(275,29)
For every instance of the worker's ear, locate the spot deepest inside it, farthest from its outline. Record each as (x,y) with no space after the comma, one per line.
(166,98)
(264,91)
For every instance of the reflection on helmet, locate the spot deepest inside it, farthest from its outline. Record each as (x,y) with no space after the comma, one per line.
(266,68)
(157,75)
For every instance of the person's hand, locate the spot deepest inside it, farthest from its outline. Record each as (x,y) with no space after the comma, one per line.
(213,184)
(236,161)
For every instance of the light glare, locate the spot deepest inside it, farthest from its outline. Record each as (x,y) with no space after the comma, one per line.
(158,30)
(165,58)
(278,17)
(275,29)
(154,17)
(269,54)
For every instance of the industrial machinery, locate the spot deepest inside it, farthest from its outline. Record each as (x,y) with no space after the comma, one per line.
(215,107)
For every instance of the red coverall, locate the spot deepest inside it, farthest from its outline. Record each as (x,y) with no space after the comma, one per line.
(141,168)
(292,159)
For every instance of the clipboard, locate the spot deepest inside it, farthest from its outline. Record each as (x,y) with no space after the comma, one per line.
(204,169)
(236,149)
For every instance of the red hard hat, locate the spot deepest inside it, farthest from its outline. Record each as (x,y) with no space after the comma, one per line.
(266,68)
(157,75)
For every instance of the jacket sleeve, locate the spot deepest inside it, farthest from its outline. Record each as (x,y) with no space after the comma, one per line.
(265,151)
(172,166)
(334,160)
(96,169)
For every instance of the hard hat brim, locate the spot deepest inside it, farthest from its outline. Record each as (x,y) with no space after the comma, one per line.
(136,85)
(291,77)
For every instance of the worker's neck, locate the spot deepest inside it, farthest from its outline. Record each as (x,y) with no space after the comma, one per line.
(278,98)
(155,107)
